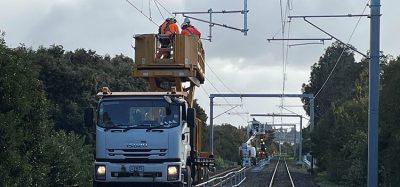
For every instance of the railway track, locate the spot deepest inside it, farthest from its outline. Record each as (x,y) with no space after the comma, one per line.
(281,176)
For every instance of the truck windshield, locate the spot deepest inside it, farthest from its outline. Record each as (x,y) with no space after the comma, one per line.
(142,114)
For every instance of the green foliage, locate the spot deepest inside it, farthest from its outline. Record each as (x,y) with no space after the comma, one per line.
(32,153)
(72,79)
(227,140)
(272,148)
(345,143)
(389,137)
(220,163)
(71,163)
(339,140)
(341,83)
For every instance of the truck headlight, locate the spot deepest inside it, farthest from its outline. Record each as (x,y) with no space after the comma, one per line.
(100,172)
(173,173)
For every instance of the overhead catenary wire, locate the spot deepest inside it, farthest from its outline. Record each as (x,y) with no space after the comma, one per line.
(141,11)
(158,8)
(344,49)
(169,12)
(284,108)
(216,89)
(283,52)
(222,82)
(285,48)
(204,90)
(150,10)
(211,69)
(286,54)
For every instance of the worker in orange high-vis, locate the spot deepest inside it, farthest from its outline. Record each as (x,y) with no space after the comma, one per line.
(166,34)
(188,29)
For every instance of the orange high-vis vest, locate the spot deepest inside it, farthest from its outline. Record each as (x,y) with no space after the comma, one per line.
(168,28)
(190,30)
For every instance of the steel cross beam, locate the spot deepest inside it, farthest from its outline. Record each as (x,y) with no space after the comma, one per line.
(212,96)
(301,127)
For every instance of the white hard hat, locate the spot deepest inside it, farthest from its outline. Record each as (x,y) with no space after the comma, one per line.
(186,20)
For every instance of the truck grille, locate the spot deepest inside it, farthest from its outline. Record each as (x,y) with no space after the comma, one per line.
(136,153)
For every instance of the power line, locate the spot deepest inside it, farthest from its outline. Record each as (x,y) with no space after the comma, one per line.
(344,49)
(219,78)
(149,18)
(294,113)
(158,8)
(150,10)
(285,54)
(204,90)
(169,12)
(216,89)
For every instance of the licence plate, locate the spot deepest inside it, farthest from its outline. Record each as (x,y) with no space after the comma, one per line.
(136,170)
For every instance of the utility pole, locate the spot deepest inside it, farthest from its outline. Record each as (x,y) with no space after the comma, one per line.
(373,104)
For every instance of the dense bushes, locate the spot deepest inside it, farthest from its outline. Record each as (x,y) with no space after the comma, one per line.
(339,140)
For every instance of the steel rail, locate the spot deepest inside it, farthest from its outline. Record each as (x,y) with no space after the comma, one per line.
(273,174)
(288,172)
(276,168)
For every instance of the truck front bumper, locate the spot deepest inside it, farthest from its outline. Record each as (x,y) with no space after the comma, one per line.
(138,172)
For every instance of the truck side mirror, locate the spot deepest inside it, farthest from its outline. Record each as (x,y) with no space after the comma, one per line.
(89,122)
(191,117)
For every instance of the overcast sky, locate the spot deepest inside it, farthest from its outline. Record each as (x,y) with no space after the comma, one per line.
(245,64)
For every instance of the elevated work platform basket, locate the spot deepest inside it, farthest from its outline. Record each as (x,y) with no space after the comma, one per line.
(186,62)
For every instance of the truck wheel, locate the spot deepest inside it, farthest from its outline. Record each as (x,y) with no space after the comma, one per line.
(188,177)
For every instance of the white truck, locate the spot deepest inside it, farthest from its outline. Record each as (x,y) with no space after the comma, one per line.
(150,138)
(247,155)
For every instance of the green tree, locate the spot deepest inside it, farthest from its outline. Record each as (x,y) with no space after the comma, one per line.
(30,150)
(337,140)
(389,140)
(227,140)
(341,83)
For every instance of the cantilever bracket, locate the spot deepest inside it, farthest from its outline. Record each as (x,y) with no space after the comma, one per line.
(301,39)
(307,43)
(321,40)
(212,24)
(337,39)
(333,16)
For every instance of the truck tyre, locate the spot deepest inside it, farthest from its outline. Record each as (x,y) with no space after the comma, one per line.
(188,177)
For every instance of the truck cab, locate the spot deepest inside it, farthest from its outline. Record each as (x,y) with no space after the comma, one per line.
(142,137)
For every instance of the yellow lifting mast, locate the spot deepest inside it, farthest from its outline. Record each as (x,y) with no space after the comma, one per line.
(186,64)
